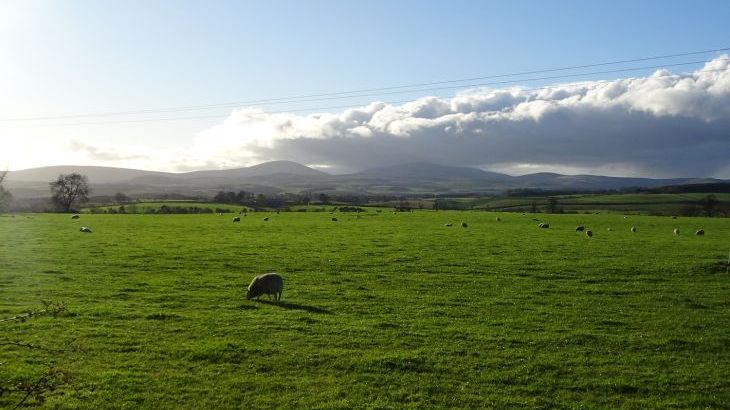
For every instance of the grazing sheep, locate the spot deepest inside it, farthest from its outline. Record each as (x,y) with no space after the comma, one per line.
(268,283)
(609,229)
(448,225)
(85,229)
(626,217)
(543,225)
(75,216)
(237,219)
(633,229)
(700,232)
(676,231)
(580,228)
(266,219)
(497,219)
(589,233)
(334,219)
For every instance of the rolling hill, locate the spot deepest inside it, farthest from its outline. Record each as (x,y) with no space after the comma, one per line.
(286,176)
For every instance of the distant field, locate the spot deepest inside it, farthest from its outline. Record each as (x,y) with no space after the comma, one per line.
(666,204)
(385,311)
(145,207)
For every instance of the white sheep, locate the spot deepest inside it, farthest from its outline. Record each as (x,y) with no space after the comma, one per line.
(85,229)
(700,232)
(268,283)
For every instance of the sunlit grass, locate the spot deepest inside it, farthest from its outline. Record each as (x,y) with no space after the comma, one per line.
(387,311)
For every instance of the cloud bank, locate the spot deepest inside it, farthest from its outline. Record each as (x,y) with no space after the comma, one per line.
(661,125)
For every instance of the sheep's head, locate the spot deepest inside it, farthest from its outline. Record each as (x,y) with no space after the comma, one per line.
(249,294)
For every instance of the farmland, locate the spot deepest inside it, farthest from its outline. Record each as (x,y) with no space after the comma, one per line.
(385,311)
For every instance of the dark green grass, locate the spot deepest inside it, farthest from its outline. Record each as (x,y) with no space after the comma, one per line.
(385,311)
(643,203)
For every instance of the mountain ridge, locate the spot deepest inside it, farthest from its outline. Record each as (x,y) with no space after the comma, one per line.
(288,176)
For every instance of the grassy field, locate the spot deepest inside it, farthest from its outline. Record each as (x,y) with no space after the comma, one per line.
(643,203)
(385,311)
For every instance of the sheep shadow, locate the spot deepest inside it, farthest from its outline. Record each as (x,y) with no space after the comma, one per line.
(295,306)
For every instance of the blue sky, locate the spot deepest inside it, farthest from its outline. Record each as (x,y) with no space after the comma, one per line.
(79,57)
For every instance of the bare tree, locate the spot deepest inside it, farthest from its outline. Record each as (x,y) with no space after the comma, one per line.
(70,189)
(5,196)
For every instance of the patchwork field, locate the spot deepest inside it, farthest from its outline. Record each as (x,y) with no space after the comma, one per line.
(385,311)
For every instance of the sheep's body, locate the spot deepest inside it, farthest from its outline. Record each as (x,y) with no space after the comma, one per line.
(237,219)
(266,219)
(543,225)
(85,229)
(580,228)
(676,231)
(609,229)
(334,219)
(633,229)
(589,233)
(75,216)
(497,219)
(700,232)
(266,284)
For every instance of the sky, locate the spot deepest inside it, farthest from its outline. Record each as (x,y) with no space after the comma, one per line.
(112,83)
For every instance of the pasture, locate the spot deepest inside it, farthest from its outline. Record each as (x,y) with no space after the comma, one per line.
(385,311)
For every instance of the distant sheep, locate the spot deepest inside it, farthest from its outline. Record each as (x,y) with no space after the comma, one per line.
(633,229)
(700,232)
(580,228)
(266,219)
(589,233)
(334,219)
(676,231)
(85,229)
(75,216)
(268,283)
(448,225)
(497,219)
(464,225)
(609,229)
(543,225)
(237,219)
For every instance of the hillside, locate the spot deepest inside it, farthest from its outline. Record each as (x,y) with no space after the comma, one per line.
(286,176)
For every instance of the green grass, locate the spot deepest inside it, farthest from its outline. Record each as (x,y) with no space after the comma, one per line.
(385,311)
(646,204)
(146,206)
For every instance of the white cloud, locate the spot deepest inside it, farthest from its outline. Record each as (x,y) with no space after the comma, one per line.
(661,125)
